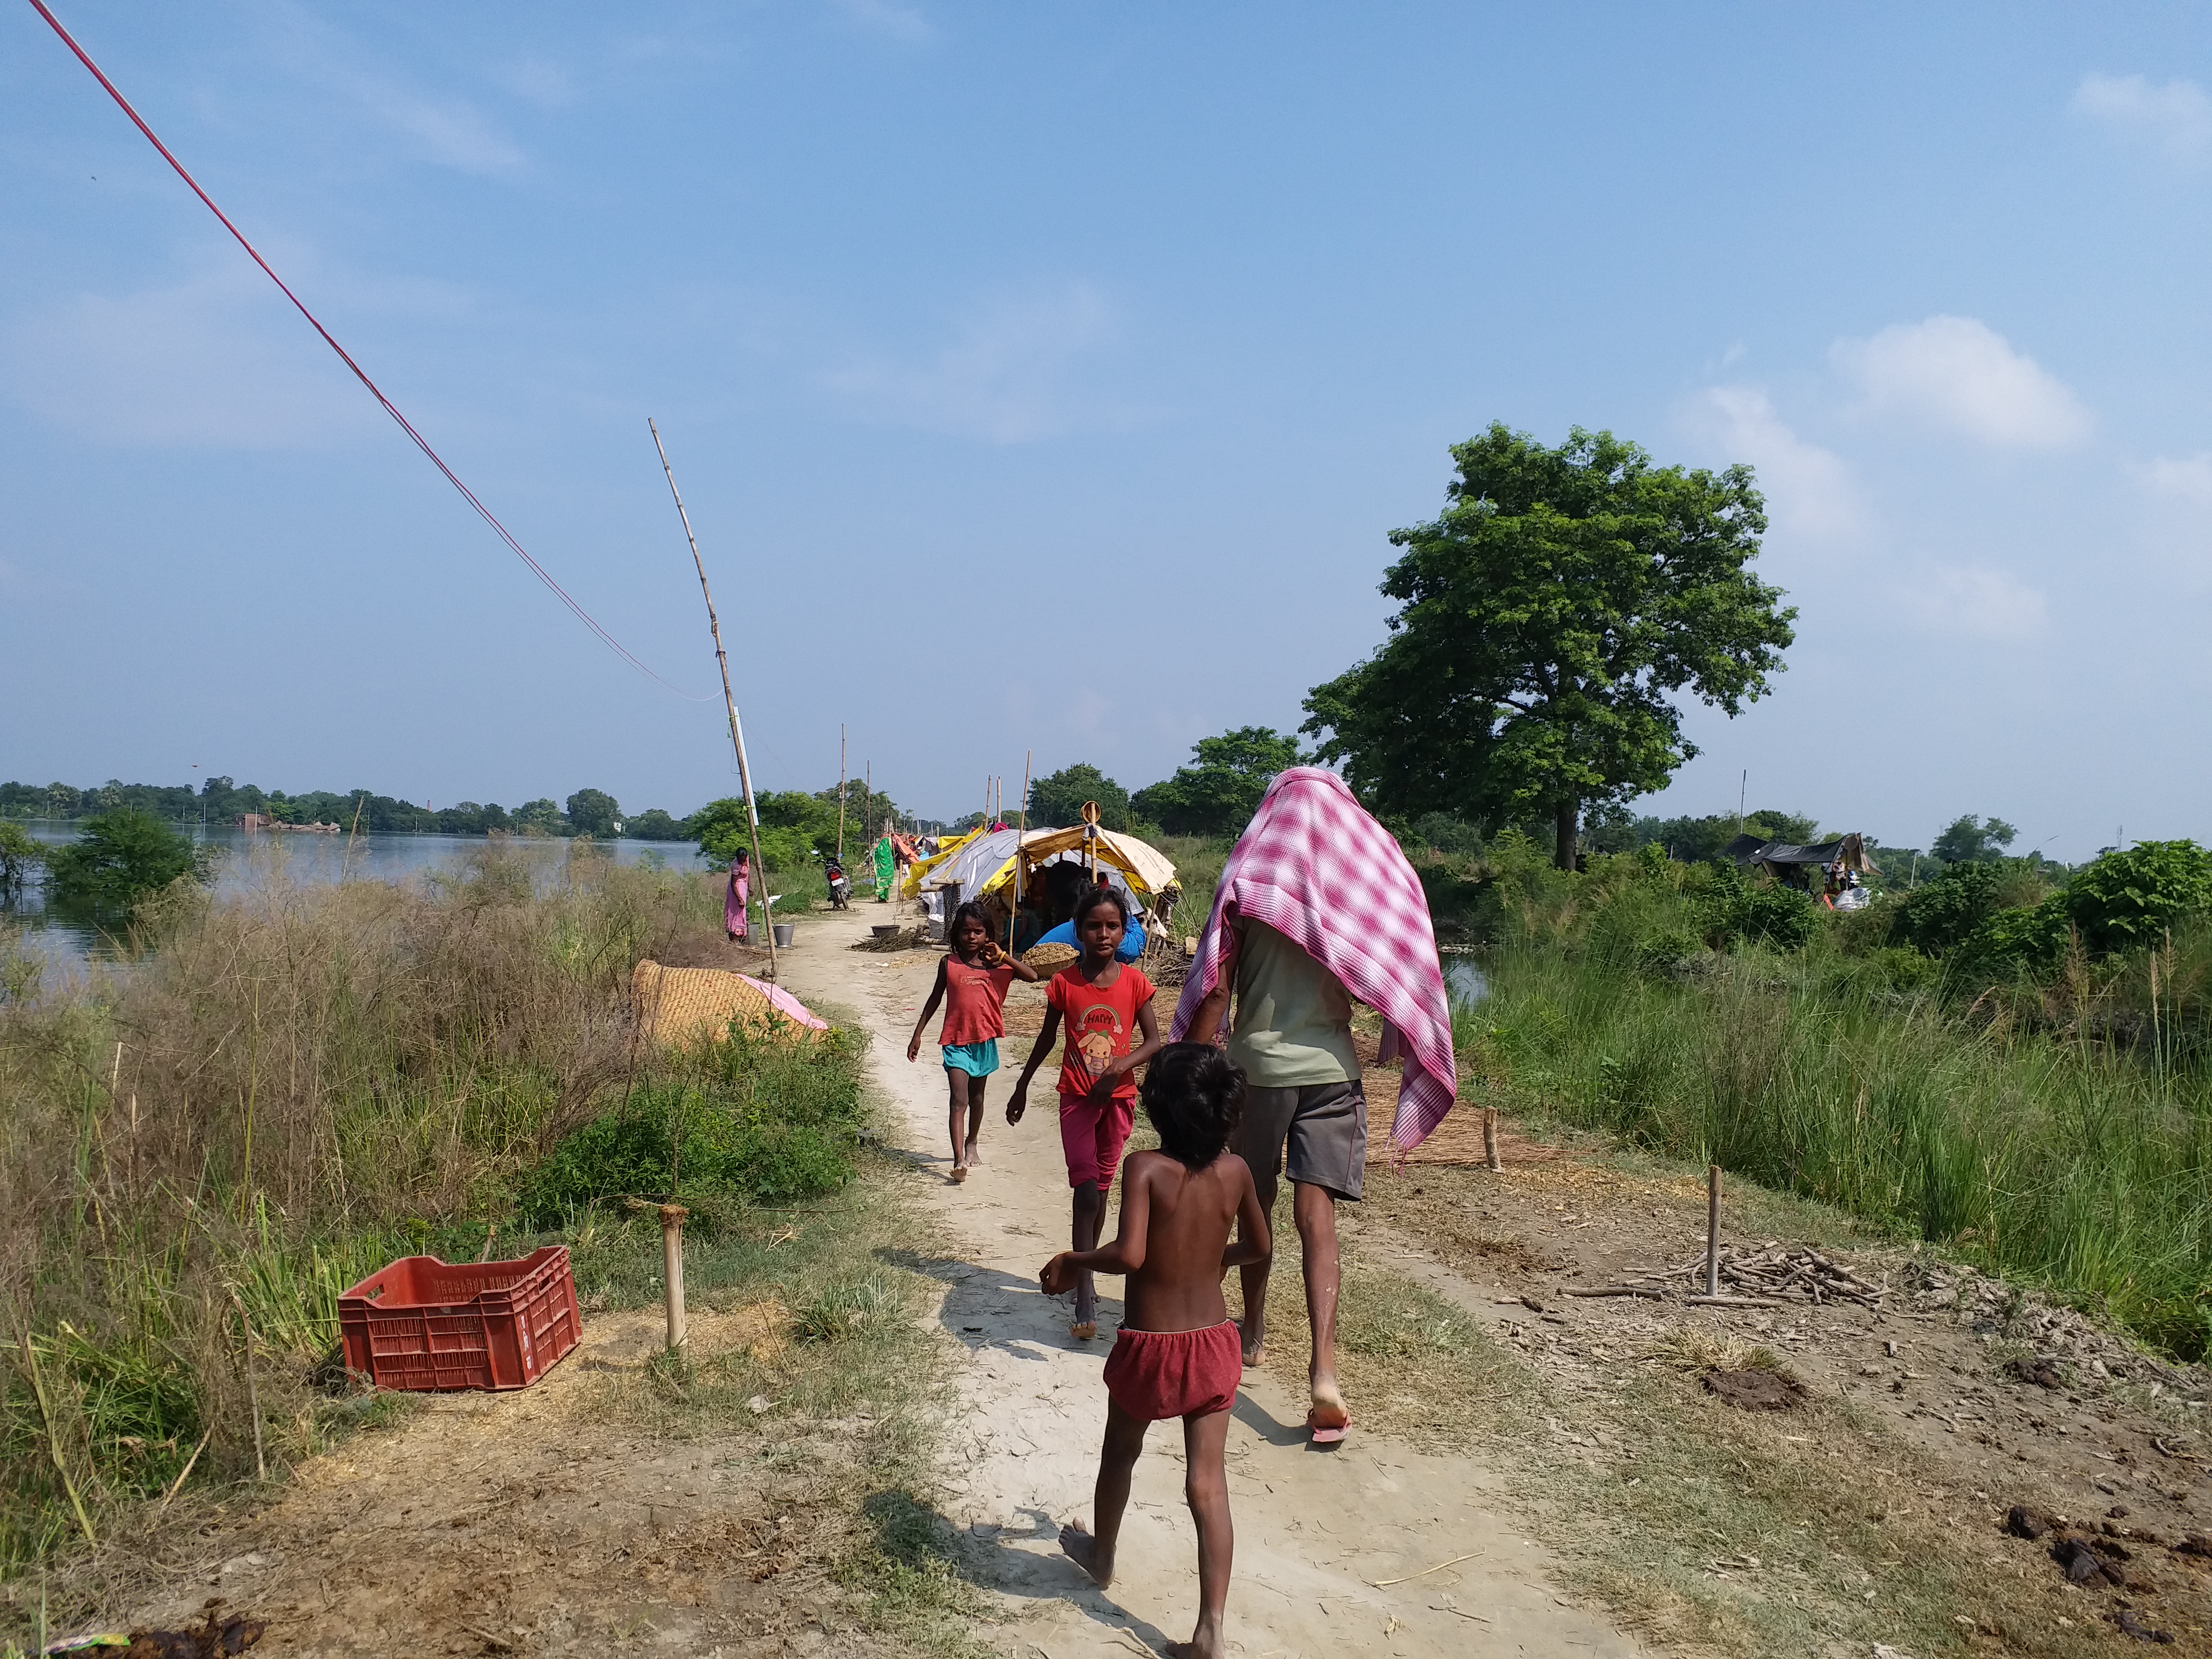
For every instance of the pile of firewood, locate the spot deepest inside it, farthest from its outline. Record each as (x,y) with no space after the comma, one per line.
(1776,1272)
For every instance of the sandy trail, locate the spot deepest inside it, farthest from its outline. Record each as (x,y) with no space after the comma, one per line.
(1320,1534)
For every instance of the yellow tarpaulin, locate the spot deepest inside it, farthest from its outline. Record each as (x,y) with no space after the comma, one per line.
(986,864)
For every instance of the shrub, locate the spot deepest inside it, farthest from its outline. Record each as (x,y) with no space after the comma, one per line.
(119,857)
(1738,907)
(2032,941)
(2133,896)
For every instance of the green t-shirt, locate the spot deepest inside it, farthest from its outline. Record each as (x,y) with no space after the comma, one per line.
(1293,1024)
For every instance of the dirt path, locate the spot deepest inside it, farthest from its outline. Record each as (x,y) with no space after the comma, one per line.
(1320,1534)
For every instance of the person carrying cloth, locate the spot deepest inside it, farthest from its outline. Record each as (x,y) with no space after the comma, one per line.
(1317,908)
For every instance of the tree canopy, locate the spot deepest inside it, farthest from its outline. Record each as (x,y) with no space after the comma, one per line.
(1056,802)
(1547,620)
(1965,841)
(1217,794)
(119,859)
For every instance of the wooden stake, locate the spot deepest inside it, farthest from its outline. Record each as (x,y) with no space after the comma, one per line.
(1713,1229)
(729,702)
(1489,1139)
(1021,829)
(671,1278)
(253,1389)
(840,795)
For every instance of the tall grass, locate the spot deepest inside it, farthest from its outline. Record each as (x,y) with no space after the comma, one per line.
(285,1089)
(2050,1131)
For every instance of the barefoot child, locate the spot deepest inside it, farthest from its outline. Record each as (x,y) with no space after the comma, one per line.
(1178,1353)
(975,978)
(1100,999)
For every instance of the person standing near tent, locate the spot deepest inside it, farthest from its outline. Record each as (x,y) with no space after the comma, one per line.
(1317,908)
(734,898)
(886,857)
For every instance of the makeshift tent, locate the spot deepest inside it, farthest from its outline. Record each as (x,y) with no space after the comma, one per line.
(1786,862)
(947,846)
(986,863)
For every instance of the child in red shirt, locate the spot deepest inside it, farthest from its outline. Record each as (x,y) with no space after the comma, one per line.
(976,976)
(1101,1002)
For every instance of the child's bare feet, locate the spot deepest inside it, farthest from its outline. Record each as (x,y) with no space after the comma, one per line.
(1082,1548)
(1084,1330)
(974,1157)
(959,1174)
(1205,1642)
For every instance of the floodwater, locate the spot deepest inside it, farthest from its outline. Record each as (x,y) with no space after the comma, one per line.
(67,948)
(1464,980)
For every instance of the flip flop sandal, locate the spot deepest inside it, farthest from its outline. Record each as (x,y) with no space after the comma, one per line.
(1320,1437)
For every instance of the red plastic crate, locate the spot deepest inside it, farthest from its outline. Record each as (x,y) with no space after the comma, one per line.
(423,1323)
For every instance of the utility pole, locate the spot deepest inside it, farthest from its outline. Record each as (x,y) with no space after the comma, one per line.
(729,700)
(841,794)
(1742,793)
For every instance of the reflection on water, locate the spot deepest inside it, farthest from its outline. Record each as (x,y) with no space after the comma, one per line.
(1464,979)
(67,947)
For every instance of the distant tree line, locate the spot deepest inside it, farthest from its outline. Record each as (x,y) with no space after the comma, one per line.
(591,812)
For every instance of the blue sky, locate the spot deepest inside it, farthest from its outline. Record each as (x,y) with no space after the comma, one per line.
(1048,378)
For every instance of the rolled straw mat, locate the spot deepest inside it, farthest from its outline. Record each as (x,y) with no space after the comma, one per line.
(681,1004)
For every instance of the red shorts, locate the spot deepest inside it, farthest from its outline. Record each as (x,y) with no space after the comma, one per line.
(1156,1374)
(1092,1137)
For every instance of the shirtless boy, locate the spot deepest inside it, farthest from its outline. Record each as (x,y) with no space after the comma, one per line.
(1179,1354)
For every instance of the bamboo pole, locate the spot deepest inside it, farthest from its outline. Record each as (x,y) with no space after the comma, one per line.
(252,1389)
(671,1278)
(1021,829)
(1490,1160)
(841,794)
(729,700)
(1713,1229)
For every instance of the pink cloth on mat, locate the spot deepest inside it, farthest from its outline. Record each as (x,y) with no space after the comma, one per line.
(1319,870)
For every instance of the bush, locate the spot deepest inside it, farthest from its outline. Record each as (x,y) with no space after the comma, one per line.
(762,1123)
(1756,911)
(2131,898)
(2030,941)
(120,857)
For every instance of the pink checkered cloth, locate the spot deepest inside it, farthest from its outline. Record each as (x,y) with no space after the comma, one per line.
(1316,868)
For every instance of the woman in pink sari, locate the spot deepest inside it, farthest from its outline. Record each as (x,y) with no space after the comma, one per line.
(733,899)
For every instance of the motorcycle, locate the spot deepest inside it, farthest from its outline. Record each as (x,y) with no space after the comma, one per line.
(841,888)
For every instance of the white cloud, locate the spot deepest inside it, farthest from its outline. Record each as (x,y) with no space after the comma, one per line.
(448,132)
(1001,376)
(216,361)
(1808,489)
(2176,118)
(886,17)
(2189,480)
(1978,604)
(1958,374)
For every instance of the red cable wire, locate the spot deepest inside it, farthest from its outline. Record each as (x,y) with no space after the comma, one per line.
(389,408)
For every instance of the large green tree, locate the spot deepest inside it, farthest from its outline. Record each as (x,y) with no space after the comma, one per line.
(1217,794)
(1056,802)
(594,813)
(1547,622)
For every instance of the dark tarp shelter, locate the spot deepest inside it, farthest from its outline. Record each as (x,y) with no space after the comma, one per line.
(1787,862)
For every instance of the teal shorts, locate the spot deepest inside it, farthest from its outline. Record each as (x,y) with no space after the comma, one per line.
(976,1058)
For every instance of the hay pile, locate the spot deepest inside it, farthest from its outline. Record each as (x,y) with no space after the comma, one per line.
(681,1006)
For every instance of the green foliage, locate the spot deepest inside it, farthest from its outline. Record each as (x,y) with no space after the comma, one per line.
(765,1121)
(1696,840)
(1057,801)
(720,830)
(1546,621)
(2129,898)
(593,813)
(2031,940)
(1965,840)
(1939,914)
(654,824)
(1757,910)
(19,854)
(1218,795)
(120,857)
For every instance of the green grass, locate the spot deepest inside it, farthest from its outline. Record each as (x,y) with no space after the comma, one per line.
(2014,1134)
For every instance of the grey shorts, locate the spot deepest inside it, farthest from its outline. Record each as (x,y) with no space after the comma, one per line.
(1324,1127)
